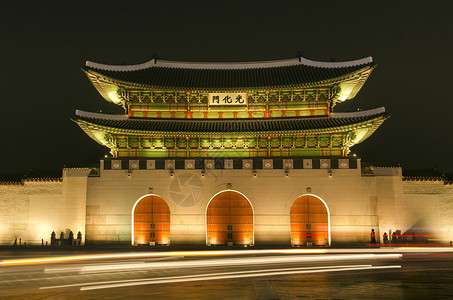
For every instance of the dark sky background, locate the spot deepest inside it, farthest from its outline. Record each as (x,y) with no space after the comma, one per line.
(45,44)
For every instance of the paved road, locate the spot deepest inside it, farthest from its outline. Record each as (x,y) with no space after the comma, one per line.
(268,274)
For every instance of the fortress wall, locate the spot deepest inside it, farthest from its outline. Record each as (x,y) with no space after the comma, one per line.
(31,211)
(427,209)
(351,201)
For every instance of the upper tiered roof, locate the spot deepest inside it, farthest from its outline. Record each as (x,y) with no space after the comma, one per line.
(279,73)
(162,75)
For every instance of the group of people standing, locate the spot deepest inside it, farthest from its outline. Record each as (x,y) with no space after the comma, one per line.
(62,241)
(395,237)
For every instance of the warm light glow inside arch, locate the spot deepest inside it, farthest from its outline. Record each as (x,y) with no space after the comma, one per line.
(150,221)
(310,221)
(229,219)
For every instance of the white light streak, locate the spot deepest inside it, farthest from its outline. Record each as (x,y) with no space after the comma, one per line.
(237,261)
(204,275)
(217,276)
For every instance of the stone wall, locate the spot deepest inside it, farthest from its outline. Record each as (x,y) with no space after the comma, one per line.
(350,198)
(103,205)
(427,209)
(32,210)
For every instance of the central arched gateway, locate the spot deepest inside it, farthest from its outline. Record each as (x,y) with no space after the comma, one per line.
(309,217)
(229,220)
(151,221)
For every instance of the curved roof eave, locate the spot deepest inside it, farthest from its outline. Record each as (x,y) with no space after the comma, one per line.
(229,65)
(334,80)
(379,114)
(345,128)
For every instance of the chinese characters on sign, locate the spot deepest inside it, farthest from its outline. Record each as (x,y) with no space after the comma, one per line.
(227,99)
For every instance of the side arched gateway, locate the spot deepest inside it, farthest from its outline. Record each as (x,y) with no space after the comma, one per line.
(229,220)
(310,222)
(150,221)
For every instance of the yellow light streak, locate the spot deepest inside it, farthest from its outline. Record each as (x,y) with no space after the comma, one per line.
(155,254)
(48,260)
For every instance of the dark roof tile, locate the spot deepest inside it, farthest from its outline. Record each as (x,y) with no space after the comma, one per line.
(229,78)
(228,125)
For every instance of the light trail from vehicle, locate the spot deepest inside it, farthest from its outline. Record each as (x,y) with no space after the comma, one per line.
(45,260)
(224,262)
(228,275)
(61,259)
(199,275)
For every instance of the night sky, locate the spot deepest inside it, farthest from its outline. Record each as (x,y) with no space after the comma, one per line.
(44,45)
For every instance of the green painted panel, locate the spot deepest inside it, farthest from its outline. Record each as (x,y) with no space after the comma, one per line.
(305,113)
(319,113)
(290,114)
(228,115)
(276,114)
(258,115)
(152,115)
(213,115)
(165,115)
(152,153)
(228,153)
(198,115)
(306,152)
(138,114)
(243,115)
(180,115)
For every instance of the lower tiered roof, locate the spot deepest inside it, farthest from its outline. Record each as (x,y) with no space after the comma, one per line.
(315,136)
(229,125)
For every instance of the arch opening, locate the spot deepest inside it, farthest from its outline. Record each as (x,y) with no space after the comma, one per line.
(151,221)
(310,222)
(229,220)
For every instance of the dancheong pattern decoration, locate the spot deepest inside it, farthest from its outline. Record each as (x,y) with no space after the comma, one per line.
(258,109)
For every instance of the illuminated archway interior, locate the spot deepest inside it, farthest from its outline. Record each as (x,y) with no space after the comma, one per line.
(309,222)
(229,220)
(151,221)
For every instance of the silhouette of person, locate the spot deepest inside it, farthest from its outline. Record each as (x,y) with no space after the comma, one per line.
(394,237)
(79,238)
(386,238)
(373,236)
(70,238)
(53,237)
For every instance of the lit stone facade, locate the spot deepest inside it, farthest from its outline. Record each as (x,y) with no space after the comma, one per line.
(101,206)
